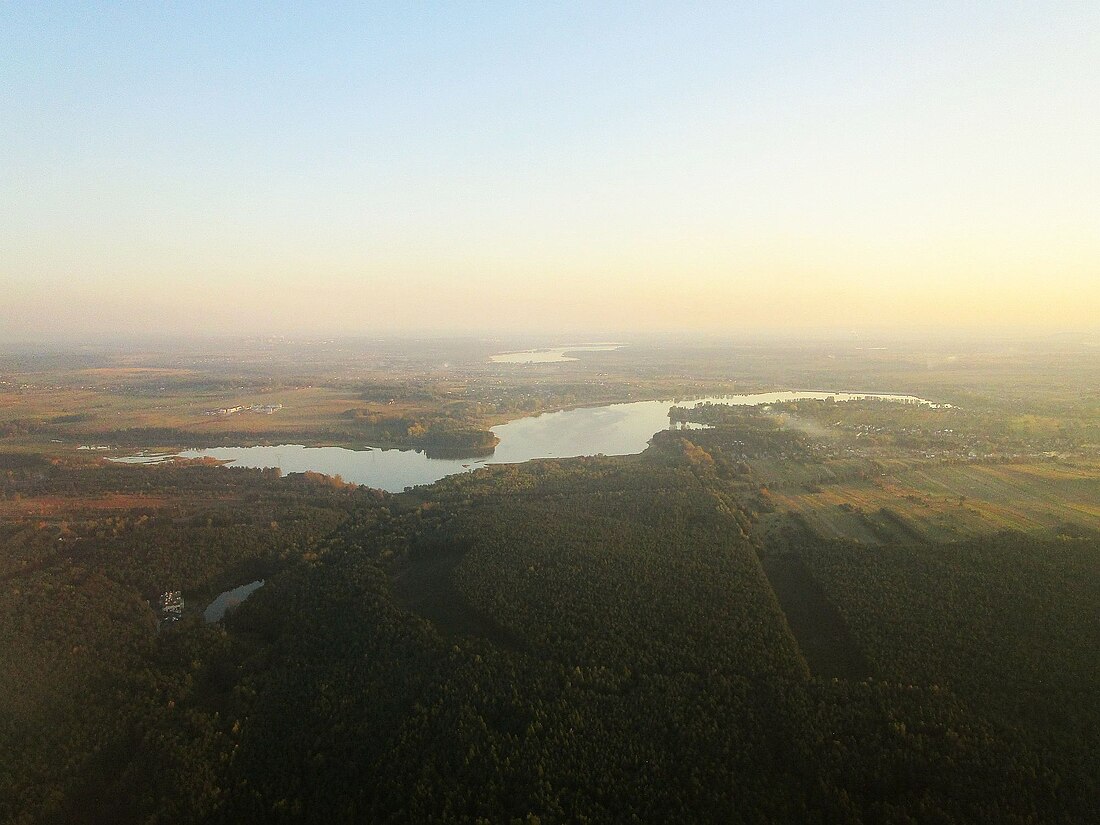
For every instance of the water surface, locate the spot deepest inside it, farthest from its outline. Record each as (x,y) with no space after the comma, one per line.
(549,355)
(230,599)
(614,429)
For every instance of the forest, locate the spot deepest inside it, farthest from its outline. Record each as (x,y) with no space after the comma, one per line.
(584,640)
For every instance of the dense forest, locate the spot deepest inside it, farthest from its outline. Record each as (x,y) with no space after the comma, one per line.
(562,641)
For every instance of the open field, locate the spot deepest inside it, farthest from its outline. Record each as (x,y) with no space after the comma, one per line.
(98,410)
(946,502)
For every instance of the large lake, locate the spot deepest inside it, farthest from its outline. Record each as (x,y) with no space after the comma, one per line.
(615,429)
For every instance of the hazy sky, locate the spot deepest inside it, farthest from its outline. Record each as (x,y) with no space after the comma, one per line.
(596,167)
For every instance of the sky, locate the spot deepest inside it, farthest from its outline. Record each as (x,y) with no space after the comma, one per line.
(547,168)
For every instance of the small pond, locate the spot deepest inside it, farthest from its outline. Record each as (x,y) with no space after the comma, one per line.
(230,599)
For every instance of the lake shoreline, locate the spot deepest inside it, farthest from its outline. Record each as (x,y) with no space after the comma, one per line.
(624,428)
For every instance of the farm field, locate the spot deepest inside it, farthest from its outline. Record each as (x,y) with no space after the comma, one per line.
(93,410)
(952,501)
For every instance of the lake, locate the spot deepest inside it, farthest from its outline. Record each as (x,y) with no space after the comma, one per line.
(614,429)
(549,355)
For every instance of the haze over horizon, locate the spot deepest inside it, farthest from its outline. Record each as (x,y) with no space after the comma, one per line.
(568,169)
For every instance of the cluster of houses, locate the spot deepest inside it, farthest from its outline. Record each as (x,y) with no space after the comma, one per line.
(171,606)
(266,409)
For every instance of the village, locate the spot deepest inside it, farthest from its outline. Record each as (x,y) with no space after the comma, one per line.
(171,606)
(266,409)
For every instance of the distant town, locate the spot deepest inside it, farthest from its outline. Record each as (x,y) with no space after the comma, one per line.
(266,409)
(171,606)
